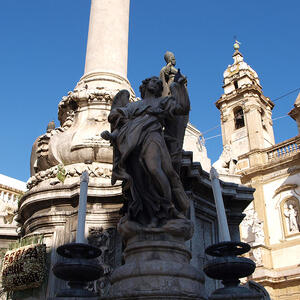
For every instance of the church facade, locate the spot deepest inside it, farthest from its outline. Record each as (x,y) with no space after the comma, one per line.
(272,223)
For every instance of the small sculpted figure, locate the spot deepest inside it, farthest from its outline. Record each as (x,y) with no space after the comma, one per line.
(226,164)
(142,158)
(168,72)
(291,216)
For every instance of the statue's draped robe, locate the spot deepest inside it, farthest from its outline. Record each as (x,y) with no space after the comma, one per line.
(140,124)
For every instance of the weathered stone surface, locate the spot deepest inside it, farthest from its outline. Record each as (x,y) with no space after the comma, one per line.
(157,264)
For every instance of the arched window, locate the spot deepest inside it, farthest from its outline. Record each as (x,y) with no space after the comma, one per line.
(235,83)
(239,121)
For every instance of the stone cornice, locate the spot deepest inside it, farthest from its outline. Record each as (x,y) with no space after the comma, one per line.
(235,196)
(8,188)
(237,93)
(285,187)
(268,168)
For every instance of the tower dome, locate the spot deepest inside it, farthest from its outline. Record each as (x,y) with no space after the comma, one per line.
(239,74)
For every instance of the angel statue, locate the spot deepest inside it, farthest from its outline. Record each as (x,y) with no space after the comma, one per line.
(147,138)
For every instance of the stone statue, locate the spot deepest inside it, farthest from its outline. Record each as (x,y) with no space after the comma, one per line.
(258,230)
(147,137)
(8,208)
(168,72)
(291,217)
(226,164)
(252,228)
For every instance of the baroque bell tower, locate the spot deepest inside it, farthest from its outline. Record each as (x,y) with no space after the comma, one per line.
(246,114)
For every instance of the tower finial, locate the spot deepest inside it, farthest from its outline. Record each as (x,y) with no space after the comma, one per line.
(236,45)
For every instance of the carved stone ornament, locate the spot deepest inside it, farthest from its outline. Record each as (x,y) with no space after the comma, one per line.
(105,240)
(252,228)
(8,209)
(95,170)
(83,116)
(226,164)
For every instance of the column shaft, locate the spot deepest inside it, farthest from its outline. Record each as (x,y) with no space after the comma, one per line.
(107,47)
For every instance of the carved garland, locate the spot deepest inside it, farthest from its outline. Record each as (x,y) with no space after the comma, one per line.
(95,170)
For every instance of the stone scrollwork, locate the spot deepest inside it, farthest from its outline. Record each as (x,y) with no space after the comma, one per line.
(106,240)
(85,94)
(77,133)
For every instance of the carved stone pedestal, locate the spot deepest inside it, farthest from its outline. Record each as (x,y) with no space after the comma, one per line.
(157,264)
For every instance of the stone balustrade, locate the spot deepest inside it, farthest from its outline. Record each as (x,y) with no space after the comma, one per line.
(8,197)
(285,149)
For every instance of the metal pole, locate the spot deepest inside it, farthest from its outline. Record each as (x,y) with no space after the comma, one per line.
(84,181)
(222,219)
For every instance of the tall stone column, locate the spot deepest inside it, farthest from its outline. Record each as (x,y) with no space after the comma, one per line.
(107,46)
(62,154)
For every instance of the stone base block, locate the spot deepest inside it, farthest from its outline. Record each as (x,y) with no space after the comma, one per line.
(157,267)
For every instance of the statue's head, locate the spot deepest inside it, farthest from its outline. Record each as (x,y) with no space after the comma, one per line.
(153,84)
(170,58)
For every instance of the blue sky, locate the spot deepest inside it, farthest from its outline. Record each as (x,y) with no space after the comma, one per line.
(42,54)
